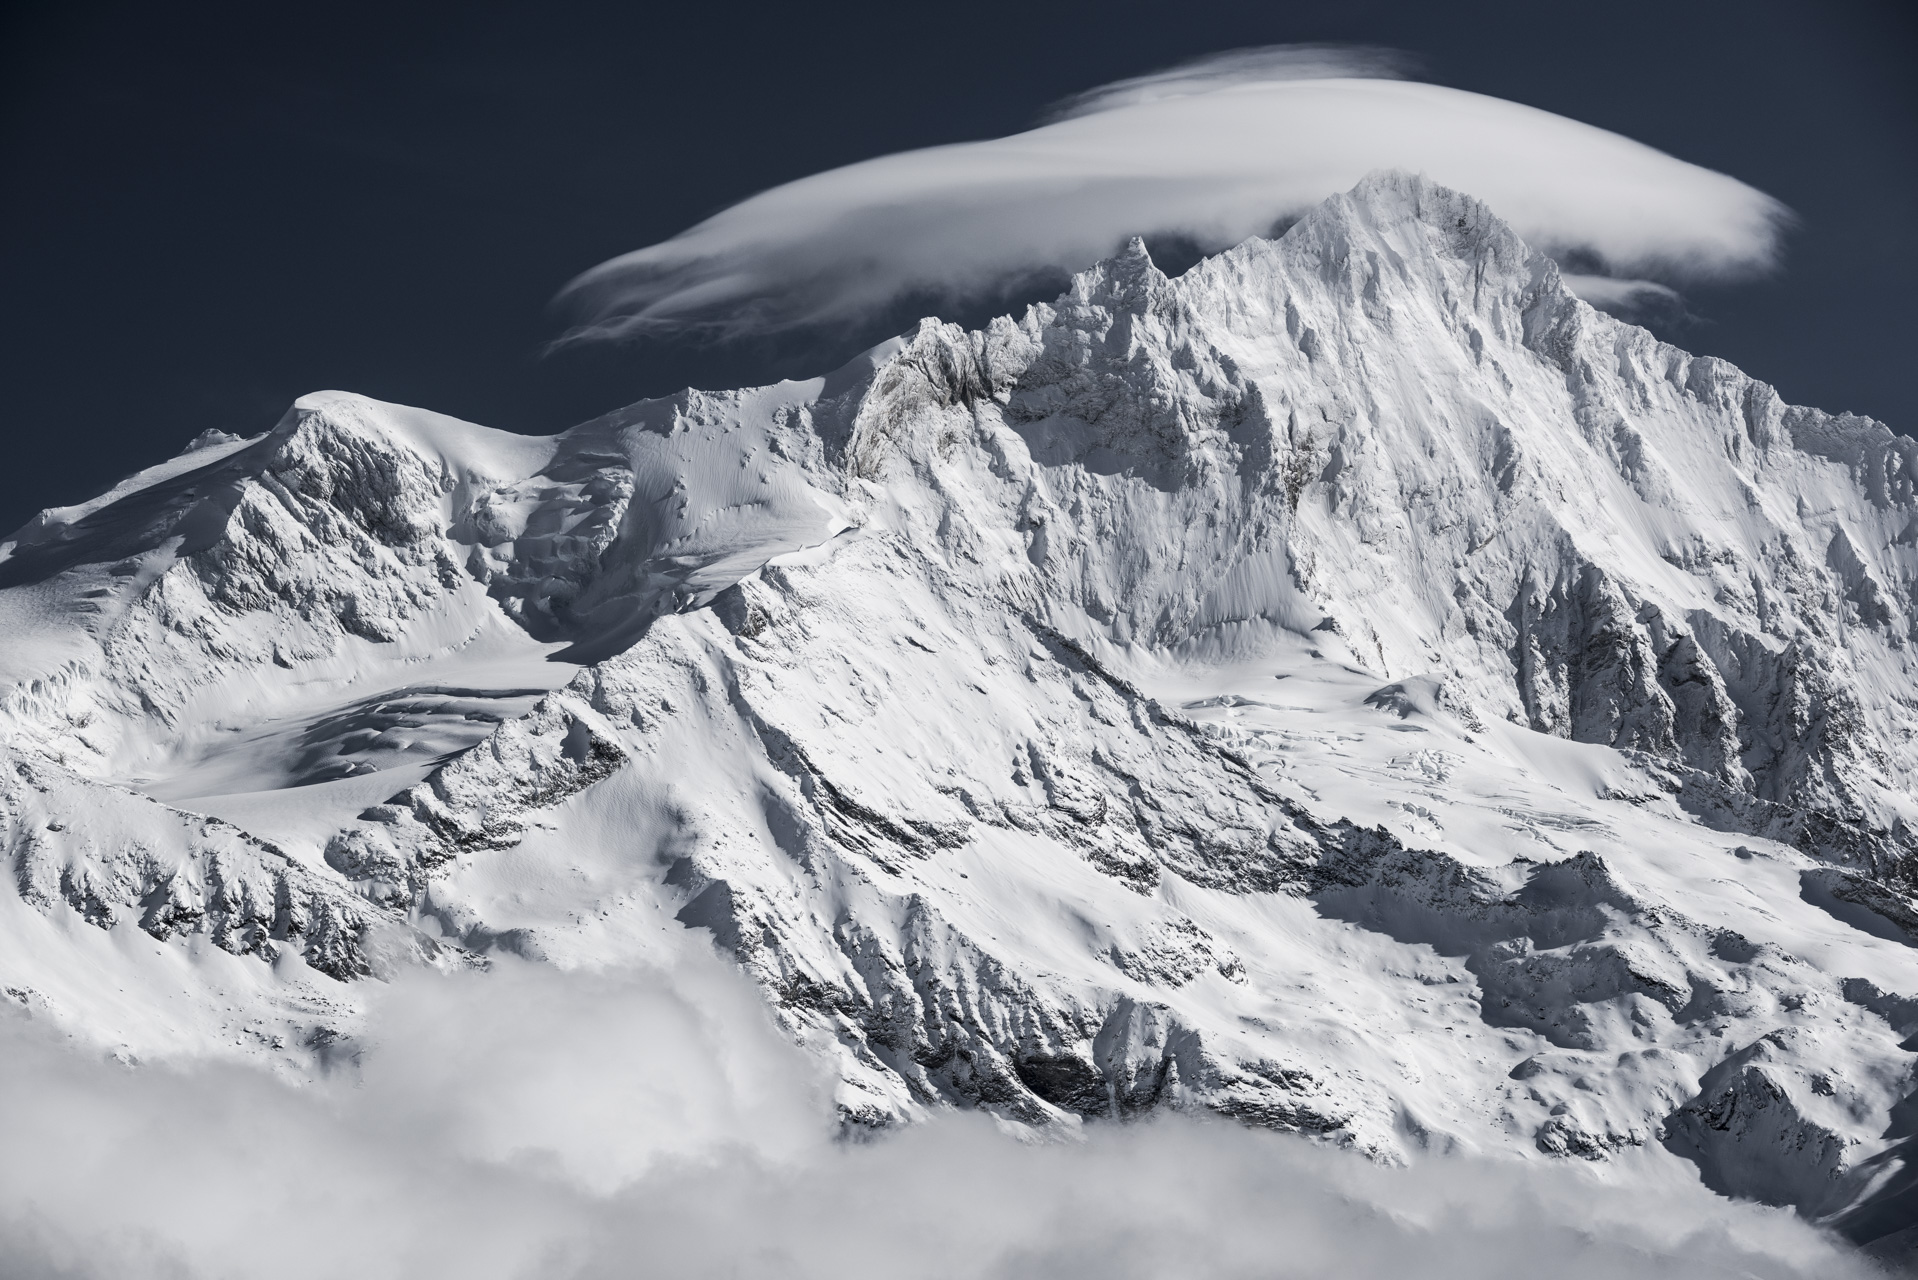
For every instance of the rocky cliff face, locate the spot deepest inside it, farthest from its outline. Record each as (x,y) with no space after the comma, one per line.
(1353,687)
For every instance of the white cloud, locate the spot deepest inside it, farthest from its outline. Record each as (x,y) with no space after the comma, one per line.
(1270,64)
(572,1126)
(1216,151)
(1625,297)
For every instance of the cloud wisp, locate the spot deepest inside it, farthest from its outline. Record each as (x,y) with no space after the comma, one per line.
(1611,293)
(1212,152)
(573,1126)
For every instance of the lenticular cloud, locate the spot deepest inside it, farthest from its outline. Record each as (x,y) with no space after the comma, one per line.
(1212,152)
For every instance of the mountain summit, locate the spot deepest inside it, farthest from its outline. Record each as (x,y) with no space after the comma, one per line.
(1352,687)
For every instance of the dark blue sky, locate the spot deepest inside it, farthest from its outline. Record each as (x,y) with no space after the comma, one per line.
(213,210)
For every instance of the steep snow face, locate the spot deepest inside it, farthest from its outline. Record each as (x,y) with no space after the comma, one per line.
(1395,425)
(1354,687)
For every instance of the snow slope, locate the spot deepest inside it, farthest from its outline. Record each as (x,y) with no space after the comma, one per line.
(1354,687)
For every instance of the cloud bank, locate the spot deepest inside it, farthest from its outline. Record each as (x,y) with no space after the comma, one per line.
(1212,152)
(532,1123)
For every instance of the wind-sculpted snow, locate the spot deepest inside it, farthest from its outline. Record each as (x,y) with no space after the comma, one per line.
(1353,688)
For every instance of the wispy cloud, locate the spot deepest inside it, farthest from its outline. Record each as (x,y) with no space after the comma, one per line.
(1212,152)
(1626,297)
(1271,64)
(572,1126)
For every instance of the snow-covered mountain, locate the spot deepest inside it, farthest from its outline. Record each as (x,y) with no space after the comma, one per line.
(1353,687)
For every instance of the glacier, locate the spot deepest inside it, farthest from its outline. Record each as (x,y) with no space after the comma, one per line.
(1354,687)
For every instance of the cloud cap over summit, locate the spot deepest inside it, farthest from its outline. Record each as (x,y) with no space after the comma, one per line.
(1215,152)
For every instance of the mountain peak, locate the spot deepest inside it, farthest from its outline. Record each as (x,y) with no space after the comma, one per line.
(1300,690)
(1126,281)
(1410,217)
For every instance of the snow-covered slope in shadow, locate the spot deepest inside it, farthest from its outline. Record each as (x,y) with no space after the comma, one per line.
(1353,687)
